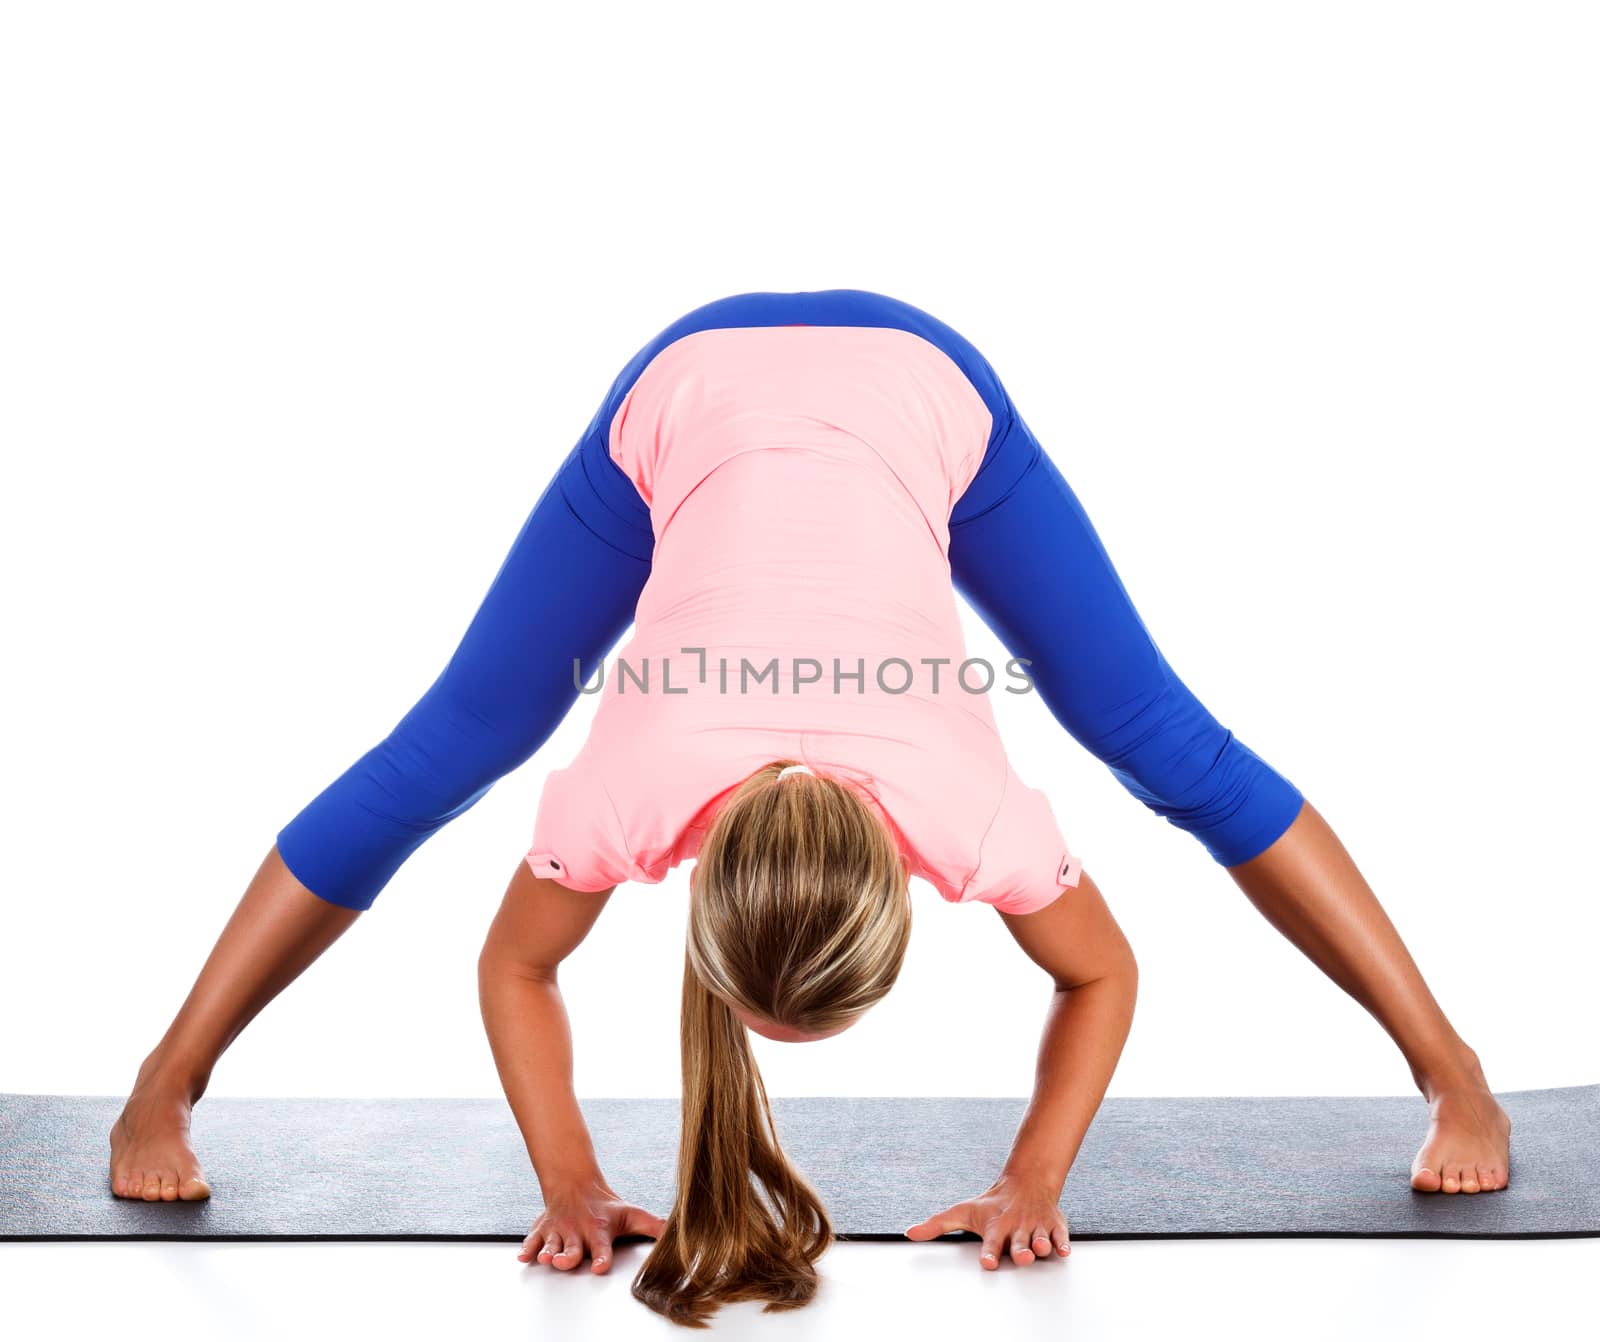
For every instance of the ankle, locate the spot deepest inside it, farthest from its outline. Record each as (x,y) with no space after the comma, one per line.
(171,1078)
(1458,1070)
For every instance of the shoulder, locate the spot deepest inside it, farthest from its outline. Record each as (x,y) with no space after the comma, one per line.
(637,797)
(940,776)
(1023,861)
(579,838)
(974,829)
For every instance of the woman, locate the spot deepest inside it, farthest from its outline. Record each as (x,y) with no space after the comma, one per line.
(782,492)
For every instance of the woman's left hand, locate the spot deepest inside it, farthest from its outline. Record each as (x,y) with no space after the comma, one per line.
(1020,1214)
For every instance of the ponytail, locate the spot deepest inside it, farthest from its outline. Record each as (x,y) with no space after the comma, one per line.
(723,1242)
(798,914)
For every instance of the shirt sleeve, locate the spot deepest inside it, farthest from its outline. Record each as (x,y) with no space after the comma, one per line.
(1023,862)
(578,837)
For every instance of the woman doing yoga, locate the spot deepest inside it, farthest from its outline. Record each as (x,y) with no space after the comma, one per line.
(782,493)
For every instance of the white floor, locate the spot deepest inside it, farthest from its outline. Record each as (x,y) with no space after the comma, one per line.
(1265,1288)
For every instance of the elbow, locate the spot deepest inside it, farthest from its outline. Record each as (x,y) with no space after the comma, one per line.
(1118,972)
(496,965)
(1131,976)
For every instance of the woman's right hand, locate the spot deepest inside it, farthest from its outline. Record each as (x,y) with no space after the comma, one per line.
(584,1217)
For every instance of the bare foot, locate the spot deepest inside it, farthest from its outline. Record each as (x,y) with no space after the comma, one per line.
(1468,1146)
(151,1158)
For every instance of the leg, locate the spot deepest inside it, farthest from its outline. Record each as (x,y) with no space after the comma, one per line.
(1025,555)
(1308,887)
(277,930)
(564,592)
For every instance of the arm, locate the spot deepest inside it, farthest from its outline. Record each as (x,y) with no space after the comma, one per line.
(540,923)
(1077,942)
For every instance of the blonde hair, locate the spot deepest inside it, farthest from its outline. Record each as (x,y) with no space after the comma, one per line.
(799,913)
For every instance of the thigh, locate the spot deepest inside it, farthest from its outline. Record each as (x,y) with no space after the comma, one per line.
(563,595)
(1027,558)
(1025,555)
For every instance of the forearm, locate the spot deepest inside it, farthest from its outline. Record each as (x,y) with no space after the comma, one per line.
(531,1039)
(1084,1032)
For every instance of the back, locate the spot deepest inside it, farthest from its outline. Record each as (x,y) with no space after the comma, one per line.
(799,480)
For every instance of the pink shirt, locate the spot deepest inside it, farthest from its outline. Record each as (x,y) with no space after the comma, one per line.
(800,481)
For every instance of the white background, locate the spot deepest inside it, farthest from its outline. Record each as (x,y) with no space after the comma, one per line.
(303,303)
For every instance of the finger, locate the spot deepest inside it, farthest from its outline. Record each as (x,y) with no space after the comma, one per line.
(571,1252)
(552,1246)
(954,1218)
(1062,1241)
(993,1238)
(601,1249)
(1021,1254)
(1040,1243)
(638,1221)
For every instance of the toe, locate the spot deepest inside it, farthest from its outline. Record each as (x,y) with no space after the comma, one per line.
(1469,1179)
(169,1185)
(194,1188)
(1451,1180)
(1425,1179)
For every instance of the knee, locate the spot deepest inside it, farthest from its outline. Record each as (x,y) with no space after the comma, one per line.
(437,762)
(1187,767)
(1168,751)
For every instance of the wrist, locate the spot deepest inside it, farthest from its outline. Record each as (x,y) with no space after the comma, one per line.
(575,1180)
(1033,1174)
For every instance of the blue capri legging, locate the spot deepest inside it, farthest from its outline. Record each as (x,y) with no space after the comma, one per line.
(1022,552)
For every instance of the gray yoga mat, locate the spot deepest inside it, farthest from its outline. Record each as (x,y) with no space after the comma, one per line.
(426,1169)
